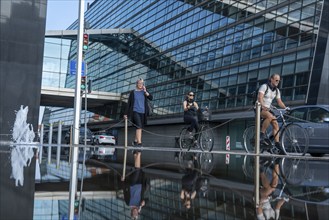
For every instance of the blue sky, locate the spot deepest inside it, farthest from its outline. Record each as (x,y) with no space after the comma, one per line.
(62,13)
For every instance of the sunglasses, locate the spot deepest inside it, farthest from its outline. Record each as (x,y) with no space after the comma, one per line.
(191,94)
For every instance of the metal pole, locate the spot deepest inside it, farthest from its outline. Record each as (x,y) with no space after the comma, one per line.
(41,143)
(85,148)
(125,154)
(59,142)
(50,137)
(77,110)
(70,147)
(258,106)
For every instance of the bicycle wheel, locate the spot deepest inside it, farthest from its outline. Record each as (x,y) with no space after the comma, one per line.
(206,138)
(206,161)
(186,139)
(249,137)
(294,140)
(294,171)
(248,167)
(186,159)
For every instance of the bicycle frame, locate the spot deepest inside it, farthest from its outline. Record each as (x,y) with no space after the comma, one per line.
(283,125)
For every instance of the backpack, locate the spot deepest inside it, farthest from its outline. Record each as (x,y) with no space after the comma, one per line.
(255,94)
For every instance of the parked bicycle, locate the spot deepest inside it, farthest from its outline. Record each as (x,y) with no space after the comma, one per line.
(203,139)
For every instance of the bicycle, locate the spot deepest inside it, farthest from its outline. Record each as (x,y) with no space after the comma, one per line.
(203,138)
(294,140)
(204,160)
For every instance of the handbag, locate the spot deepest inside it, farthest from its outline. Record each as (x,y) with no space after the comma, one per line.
(150,107)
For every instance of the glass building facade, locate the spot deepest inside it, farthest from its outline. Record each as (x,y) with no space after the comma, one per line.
(221,50)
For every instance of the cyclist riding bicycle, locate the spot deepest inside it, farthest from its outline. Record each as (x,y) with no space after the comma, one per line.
(190,113)
(267,92)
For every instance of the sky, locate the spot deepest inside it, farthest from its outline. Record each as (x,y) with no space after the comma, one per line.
(62,13)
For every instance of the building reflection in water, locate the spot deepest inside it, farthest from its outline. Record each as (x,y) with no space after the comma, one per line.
(222,198)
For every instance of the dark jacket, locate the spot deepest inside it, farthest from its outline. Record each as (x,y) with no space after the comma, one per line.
(127,183)
(130,106)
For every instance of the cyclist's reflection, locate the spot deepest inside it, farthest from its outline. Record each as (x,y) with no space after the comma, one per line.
(192,182)
(268,195)
(135,187)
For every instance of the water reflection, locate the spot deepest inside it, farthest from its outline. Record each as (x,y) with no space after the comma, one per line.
(216,197)
(135,185)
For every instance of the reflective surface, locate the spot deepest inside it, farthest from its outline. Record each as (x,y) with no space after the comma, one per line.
(217,196)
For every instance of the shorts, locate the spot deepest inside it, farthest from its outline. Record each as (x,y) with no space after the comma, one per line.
(136,177)
(263,110)
(138,119)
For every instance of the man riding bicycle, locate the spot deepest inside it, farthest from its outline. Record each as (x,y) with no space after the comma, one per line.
(267,92)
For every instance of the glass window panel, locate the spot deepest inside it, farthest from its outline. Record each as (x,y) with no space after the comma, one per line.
(287,81)
(233,70)
(245,55)
(253,66)
(242,89)
(275,69)
(264,73)
(303,53)
(264,63)
(303,65)
(252,76)
(225,72)
(232,80)
(64,66)
(51,64)
(242,78)
(302,79)
(288,68)
(300,93)
(289,57)
(243,68)
(276,60)
(286,94)
(223,81)
(52,50)
(279,45)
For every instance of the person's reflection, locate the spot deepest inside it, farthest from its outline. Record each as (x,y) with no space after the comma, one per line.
(265,210)
(135,187)
(189,181)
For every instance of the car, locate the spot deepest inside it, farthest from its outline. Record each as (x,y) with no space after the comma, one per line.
(89,135)
(104,146)
(104,138)
(315,119)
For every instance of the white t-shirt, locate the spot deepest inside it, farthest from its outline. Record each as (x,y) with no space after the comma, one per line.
(270,95)
(268,211)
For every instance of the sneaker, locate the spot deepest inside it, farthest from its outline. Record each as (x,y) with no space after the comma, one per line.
(264,161)
(277,149)
(138,146)
(263,139)
(274,150)
(262,136)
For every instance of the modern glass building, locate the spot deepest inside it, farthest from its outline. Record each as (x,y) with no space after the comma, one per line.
(221,50)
